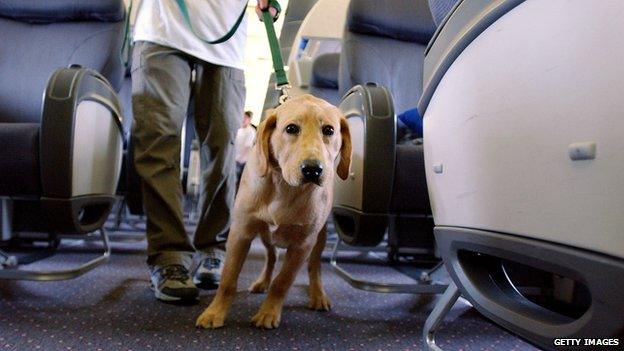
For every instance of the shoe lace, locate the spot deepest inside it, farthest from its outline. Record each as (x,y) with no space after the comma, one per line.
(175,272)
(211,263)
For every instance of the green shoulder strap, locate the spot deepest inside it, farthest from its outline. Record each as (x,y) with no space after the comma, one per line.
(124,52)
(278,64)
(228,35)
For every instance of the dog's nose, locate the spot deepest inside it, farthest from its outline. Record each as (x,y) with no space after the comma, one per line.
(312,170)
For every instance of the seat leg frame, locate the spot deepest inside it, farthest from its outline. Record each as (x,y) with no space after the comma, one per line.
(423,286)
(433,322)
(53,275)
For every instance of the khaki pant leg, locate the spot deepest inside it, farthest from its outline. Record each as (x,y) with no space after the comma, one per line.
(161,88)
(219,102)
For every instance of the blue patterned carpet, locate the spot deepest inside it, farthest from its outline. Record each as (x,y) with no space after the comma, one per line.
(112,308)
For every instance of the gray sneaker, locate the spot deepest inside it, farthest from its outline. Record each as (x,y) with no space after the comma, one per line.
(173,283)
(208,273)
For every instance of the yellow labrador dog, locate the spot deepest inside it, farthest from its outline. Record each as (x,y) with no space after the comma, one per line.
(285,196)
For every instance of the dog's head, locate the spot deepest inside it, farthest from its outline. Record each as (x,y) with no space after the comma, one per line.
(304,137)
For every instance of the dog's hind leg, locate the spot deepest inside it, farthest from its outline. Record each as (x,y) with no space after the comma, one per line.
(261,285)
(318,298)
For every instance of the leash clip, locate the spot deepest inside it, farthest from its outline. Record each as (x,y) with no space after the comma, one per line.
(284,92)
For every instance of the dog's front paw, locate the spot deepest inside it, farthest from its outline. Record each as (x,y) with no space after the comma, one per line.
(259,286)
(319,302)
(211,318)
(267,318)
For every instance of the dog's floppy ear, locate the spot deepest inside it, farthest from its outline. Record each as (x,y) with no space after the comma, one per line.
(345,150)
(265,129)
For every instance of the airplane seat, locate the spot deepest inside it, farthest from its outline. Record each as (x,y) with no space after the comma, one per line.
(523,160)
(60,121)
(387,191)
(324,82)
(383,44)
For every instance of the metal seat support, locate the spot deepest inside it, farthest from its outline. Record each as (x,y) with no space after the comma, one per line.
(424,285)
(8,270)
(436,317)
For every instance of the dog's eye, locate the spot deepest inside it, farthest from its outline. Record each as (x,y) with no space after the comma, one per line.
(328,130)
(292,129)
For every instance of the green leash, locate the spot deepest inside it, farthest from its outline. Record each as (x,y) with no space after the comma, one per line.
(281,79)
(278,64)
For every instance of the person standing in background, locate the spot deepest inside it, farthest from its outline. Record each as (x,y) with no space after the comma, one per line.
(172,62)
(245,138)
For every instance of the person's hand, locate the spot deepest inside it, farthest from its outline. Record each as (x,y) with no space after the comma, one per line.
(262,4)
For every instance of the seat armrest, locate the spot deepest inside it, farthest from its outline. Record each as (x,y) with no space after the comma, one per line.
(81,148)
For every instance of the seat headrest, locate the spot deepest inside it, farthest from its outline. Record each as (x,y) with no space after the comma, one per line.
(406,20)
(38,11)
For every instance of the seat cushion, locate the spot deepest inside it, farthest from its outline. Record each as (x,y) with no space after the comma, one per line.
(19,159)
